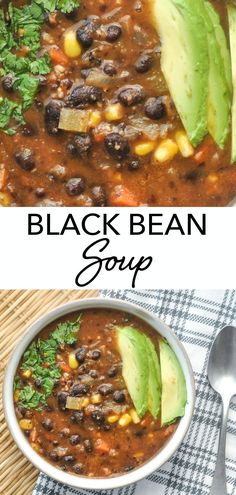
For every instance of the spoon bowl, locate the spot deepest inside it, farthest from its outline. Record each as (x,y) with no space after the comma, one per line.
(222,362)
(222,378)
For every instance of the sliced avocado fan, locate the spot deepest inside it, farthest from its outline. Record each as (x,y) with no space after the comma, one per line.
(184,61)
(174,393)
(219,82)
(232,35)
(141,370)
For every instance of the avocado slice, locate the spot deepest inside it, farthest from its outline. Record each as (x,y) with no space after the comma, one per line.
(132,346)
(174,393)
(184,61)
(219,95)
(222,43)
(232,35)
(154,379)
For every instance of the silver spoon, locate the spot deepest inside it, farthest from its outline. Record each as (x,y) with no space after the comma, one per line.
(222,377)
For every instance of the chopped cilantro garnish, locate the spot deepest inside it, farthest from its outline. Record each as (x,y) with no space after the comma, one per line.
(40,359)
(23,30)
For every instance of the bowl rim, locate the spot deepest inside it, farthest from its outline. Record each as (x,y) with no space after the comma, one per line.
(84,482)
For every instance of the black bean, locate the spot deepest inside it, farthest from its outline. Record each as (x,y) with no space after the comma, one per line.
(72,15)
(75,186)
(39,192)
(79,389)
(105,388)
(8,83)
(133,165)
(61,399)
(52,116)
(96,354)
(88,445)
(98,416)
(77,417)
(109,69)
(119,396)
(84,73)
(71,148)
(25,158)
(106,427)
(86,30)
(117,146)
(78,468)
(47,424)
(113,32)
(99,196)
(93,373)
(28,130)
(143,63)
(75,439)
(69,458)
(84,94)
(21,411)
(54,456)
(81,354)
(155,108)
(83,143)
(130,95)
(38,382)
(112,371)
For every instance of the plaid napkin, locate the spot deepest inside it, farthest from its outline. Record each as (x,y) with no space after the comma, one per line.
(196,317)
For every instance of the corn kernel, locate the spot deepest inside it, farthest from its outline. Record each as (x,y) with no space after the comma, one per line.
(125,420)
(73,363)
(21,32)
(35,446)
(27,373)
(185,147)
(212,178)
(26,424)
(72,47)
(135,418)
(114,111)
(144,148)
(113,418)
(96,399)
(95,118)
(85,402)
(5,199)
(16,395)
(138,455)
(166,150)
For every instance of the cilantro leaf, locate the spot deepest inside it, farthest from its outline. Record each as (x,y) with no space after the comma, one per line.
(67,6)
(65,333)
(27,87)
(41,65)
(30,398)
(8,110)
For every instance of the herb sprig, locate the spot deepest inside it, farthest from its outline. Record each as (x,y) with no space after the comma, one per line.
(20,28)
(40,359)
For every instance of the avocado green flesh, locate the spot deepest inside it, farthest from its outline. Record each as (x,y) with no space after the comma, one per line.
(232,35)
(219,96)
(132,347)
(222,43)
(174,393)
(154,379)
(184,61)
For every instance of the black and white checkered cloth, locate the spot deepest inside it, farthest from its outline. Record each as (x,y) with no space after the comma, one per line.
(196,317)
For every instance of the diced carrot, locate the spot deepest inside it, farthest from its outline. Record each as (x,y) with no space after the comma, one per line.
(64,367)
(204,150)
(3,177)
(122,196)
(58,57)
(101,447)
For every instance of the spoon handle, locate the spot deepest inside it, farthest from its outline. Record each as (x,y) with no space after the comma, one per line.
(219,486)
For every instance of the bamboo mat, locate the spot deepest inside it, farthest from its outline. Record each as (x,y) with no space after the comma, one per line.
(18,308)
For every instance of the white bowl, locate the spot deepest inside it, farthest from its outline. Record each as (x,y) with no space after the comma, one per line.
(82,481)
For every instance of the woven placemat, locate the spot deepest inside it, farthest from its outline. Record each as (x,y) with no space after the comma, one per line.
(17,310)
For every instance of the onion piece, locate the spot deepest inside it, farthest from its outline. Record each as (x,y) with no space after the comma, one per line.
(74,120)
